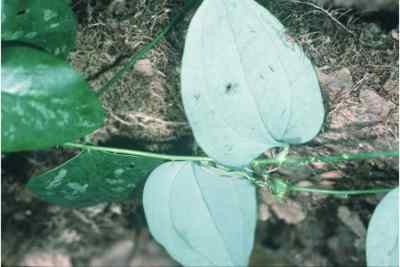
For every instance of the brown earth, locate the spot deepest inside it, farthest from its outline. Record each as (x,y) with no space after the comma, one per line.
(356,58)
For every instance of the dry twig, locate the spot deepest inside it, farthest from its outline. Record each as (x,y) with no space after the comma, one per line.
(325,12)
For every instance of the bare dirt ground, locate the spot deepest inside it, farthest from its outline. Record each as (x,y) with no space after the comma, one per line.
(356,57)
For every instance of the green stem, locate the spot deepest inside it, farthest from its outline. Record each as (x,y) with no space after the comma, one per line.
(257,163)
(135,152)
(325,159)
(340,192)
(280,188)
(140,54)
(283,186)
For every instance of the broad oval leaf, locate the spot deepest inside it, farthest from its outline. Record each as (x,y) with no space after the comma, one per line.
(383,233)
(246,86)
(44,101)
(200,217)
(50,24)
(92,177)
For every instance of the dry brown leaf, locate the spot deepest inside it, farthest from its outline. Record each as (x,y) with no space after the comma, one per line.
(289,211)
(351,220)
(47,259)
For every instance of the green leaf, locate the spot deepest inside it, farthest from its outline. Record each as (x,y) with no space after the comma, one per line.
(50,24)
(44,101)
(200,217)
(383,233)
(246,86)
(92,177)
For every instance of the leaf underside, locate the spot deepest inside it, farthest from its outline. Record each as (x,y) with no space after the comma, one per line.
(200,217)
(383,233)
(92,177)
(246,86)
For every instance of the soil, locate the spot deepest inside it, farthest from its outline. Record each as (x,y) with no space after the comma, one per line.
(356,58)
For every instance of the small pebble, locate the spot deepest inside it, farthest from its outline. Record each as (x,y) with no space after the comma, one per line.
(144,67)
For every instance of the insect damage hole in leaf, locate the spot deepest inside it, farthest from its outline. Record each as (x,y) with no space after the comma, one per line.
(279,101)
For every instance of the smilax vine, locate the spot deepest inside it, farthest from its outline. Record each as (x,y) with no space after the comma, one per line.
(246,88)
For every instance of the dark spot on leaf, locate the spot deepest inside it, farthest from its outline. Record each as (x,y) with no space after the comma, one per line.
(132,165)
(262,76)
(21,12)
(230,88)
(271,68)
(197,97)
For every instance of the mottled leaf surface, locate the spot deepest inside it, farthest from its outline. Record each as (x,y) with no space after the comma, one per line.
(92,177)
(200,217)
(49,24)
(246,86)
(383,233)
(44,101)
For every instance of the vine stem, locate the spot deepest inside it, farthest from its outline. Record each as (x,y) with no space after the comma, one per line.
(340,192)
(140,54)
(255,163)
(285,186)
(326,159)
(136,153)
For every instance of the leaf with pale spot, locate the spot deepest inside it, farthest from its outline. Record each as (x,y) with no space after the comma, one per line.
(49,24)
(92,177)
(44,101)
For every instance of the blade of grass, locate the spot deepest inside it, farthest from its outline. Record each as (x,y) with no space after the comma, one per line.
(142,52)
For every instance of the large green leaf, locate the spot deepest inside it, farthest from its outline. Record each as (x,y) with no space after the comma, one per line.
(44,101)
(246,86)
(383,233)
(200,217)
(49,24)
(92,177)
